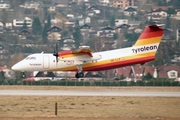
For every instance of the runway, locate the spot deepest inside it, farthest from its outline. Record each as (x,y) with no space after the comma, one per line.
(87,93)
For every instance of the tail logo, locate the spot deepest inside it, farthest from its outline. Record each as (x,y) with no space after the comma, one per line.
(144,48)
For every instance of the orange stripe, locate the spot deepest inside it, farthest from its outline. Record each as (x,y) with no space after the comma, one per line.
(148,41)
(120,59)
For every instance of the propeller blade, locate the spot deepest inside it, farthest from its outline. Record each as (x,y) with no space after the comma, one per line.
(56,53)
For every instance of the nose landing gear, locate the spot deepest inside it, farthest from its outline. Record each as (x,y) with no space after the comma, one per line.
(23,75)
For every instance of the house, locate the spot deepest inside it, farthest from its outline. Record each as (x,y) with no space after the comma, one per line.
(23,34)
(104,2)
(171,71)
(31,5)
(106,32)
(123,3)
(5,4)
(136,72)
(8,25)
(52,9)
(21,22)
(54,33)
(92,10)
(83,21)
(164,8)
(119,22)
(178,13)
(68,43)
(62,4)
(71,22)
(8,73)
(122,27)
(85,30)
(157,14)
(130,11)
(93,75)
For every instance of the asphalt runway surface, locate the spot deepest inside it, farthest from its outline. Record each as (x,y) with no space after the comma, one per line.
(87,93)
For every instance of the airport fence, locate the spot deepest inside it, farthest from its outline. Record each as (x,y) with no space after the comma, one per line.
(159,82)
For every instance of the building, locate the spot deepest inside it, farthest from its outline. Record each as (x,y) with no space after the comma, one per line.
(123,3)
(106,32)
(54,33)
(21,22)
(4,4)
(137,72)
(157,14)
(119,22)
(8,73)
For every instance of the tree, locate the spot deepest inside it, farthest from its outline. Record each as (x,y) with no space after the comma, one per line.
(36,26)
(112,20)
(115,36)
(175,3)
(44,33)
(132,37)
(148,76)
(2,76)
(162,2)
(48,21)
(171,11)
(24,27)
(168,22)
(77,34)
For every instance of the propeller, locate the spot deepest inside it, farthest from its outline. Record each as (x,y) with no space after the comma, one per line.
(56,52)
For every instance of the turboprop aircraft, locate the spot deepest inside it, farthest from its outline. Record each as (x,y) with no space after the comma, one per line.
(83,59)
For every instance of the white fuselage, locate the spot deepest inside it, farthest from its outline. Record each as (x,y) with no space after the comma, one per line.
(47,62)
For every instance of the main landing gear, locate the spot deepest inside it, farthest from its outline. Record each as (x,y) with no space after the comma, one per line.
(80,73)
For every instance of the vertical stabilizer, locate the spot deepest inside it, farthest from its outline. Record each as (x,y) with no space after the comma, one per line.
(149,40)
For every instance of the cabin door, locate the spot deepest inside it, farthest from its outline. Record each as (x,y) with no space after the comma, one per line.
(46,64)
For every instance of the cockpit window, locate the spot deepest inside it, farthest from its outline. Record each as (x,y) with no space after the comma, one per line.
(26,58)
(30,58)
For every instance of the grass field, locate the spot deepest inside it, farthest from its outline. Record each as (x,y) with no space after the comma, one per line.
(90,108)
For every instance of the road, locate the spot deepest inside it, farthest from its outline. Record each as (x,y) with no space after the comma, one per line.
(87,93)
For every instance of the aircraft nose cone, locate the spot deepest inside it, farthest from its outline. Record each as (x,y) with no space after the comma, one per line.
(16,67)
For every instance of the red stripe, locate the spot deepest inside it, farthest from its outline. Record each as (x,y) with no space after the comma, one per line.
(117,64)
(150,32)
(65,53)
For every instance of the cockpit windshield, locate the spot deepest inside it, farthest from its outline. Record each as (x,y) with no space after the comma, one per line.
(30,58)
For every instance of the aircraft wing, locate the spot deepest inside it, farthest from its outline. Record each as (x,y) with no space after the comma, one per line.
(83,50)
(83,53)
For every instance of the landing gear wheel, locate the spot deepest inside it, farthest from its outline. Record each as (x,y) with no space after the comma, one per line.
(23,75)
(79,75)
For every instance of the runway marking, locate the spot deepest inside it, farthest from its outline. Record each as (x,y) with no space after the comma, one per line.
(87,93)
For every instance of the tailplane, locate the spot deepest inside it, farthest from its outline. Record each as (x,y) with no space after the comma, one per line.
(149,40)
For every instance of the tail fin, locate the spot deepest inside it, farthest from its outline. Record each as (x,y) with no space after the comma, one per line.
(149,40)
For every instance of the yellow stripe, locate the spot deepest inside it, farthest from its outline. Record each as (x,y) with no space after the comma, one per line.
(107,61)
(71,55)
(148,41)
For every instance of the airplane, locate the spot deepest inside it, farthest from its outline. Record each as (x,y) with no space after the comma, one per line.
(83,59)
